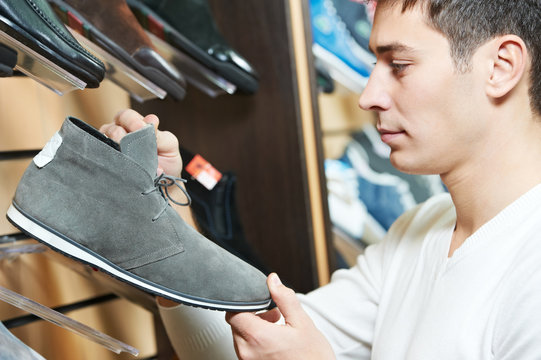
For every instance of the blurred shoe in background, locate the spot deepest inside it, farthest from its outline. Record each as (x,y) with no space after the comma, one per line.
(111,25)
(189,26)
(336,47)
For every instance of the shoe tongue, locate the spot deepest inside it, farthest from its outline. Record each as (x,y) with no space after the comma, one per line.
(141,147)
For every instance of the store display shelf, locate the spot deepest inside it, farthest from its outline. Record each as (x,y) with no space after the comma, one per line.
(139,87)
(14,245)
(41,69)
(61,320)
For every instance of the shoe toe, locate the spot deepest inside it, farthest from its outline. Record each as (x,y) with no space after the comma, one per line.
(224,53)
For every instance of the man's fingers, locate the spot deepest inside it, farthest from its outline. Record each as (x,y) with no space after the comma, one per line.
(167,143)
(152,119)
(113,132)
(287,301)
(245,324)
(271,316)
(130,120)
(238,319)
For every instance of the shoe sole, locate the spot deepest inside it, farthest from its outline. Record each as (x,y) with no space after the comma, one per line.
(21,35)
(153,23)
(65,11)
(72,249)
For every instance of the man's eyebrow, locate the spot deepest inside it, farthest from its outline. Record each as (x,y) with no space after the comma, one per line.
(391,47)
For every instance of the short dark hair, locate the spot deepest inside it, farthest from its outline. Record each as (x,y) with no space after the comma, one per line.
(468,24)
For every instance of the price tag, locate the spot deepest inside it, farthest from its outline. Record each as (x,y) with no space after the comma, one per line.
(204,172)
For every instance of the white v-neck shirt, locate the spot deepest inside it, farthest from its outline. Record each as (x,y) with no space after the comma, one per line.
(405,299)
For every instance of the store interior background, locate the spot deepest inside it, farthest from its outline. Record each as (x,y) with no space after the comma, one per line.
(275,141)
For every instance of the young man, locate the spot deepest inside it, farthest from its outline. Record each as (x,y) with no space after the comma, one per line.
(458,90)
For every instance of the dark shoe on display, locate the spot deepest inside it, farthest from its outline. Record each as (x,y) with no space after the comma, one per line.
(8,60)
(111,25)
(215,211)
(33,23)
(101,203)
(188,25)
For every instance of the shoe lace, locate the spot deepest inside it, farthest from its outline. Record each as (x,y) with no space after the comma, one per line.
(162,184)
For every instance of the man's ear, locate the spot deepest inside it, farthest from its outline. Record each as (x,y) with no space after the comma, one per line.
(509,63)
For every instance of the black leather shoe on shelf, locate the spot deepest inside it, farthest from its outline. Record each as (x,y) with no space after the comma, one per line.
(188,25)
(8,60)
(111,25)
(33,23)
(215,211)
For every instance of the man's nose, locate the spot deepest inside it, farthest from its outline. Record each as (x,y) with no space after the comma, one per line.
(374,97)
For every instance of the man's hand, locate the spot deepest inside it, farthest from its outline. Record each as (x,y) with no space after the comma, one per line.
(258,337)
(126,121)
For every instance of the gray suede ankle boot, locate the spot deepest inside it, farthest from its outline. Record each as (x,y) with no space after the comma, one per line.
(101,203)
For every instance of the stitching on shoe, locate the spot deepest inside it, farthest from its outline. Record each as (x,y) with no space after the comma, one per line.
(136,140)
(59,32)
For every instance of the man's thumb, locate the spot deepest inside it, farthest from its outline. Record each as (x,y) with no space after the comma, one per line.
(286,301)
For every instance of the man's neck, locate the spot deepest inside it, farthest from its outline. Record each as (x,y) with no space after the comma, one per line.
(491,181)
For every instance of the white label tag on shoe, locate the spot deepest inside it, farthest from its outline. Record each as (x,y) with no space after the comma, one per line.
(47,154)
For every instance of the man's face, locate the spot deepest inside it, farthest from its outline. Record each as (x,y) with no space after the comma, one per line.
(426,107)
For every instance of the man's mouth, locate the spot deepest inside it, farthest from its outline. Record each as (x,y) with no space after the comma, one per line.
(389,135)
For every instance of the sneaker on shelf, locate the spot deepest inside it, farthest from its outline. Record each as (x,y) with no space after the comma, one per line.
(348,212)
(356,17)
(385,196)
(335,46)
(101,203)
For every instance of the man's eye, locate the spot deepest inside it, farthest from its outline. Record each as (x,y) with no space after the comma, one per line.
(398,66)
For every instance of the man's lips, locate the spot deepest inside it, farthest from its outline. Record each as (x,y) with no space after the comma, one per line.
(388,136)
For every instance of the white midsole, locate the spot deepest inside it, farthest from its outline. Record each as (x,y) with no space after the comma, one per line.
(66,247)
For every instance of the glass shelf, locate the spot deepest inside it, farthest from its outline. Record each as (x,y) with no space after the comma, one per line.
(10,249)
(41,69)
(138,86)
(61,320)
